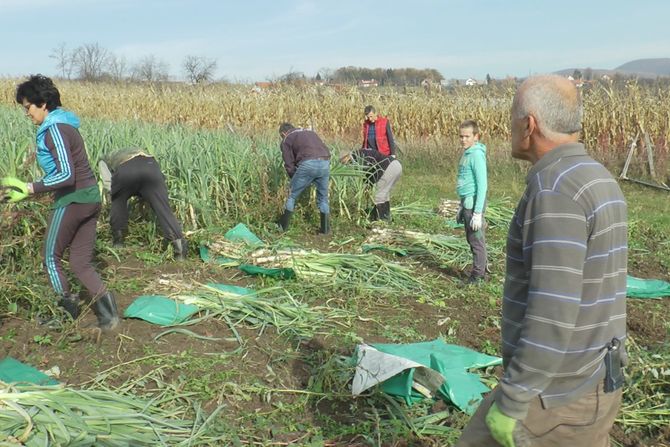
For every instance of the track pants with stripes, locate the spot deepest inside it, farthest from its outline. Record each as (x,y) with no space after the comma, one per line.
(73,227)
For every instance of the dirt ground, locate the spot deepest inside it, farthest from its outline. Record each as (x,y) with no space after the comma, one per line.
(270,357)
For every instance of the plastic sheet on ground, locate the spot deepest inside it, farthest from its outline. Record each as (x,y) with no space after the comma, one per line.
(385,248)
(419,370)
(278,273)
(221,260)
(236,290)
(13,371)
(453,224)
(161,310)
(239,233)
(646,288)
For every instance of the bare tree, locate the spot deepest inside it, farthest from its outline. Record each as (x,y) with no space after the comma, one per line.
(326,74)
(90,60)
(117,67)
(199,69)
(64,60)
(588,74)
(150,69)
(292,77)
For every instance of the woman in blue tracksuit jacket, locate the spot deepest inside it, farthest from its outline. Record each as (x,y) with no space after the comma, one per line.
(62,156)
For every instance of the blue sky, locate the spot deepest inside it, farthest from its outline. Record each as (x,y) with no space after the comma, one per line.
(256,40)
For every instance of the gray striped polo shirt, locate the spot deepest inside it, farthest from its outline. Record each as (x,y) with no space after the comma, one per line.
(565,285)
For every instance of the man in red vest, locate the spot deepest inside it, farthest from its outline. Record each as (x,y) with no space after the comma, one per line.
(377,133)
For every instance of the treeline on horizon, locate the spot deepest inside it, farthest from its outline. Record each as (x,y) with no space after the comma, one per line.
(386,76)
(92,62)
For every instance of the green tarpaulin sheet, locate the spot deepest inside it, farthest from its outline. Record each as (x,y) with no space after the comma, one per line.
(161,310)
(241,233)
(237,290)
(11,371)
(646,288)
(279,273)
(462,388)
(396,251)
(221,260)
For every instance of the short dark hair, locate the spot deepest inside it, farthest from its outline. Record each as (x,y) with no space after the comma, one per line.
(368,109)
(471,124)
(285,127)
(39,90)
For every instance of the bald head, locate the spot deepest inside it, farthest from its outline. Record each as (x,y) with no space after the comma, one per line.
(553,101)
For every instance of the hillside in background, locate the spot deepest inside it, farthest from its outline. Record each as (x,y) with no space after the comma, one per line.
(642,68)
(654,67)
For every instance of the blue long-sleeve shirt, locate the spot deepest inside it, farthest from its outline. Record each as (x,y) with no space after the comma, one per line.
(472,184)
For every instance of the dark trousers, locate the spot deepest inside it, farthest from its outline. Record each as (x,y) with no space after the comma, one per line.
(73,227)
(142,176)
(477,242)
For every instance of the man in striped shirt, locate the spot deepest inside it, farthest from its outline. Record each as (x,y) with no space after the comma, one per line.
(564,310)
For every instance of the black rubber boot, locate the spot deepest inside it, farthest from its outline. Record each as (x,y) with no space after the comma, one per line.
(105,309)
(285,219)
(70,303)
(385,211)
(180,249)
(379,211)
(373,213)
(118,238)
(475,280)
(325,223)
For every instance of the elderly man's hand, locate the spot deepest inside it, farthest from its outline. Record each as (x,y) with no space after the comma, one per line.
(14,190)
(476,221)
(501,426)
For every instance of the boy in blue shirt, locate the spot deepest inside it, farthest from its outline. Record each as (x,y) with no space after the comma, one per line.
(471,187)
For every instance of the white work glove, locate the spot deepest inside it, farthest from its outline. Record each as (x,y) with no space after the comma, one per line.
(105,176)
(476,222)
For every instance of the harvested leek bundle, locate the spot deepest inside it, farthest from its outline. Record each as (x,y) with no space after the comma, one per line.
(413,209)
(343,270)
(361,271)
(498,212)
(448,250)
(56,415)
(273,306)
(448,208)
(228,249)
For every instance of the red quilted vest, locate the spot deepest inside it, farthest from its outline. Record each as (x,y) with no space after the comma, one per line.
(380,135)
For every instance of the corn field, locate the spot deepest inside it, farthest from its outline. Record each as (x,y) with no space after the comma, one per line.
(613,112)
